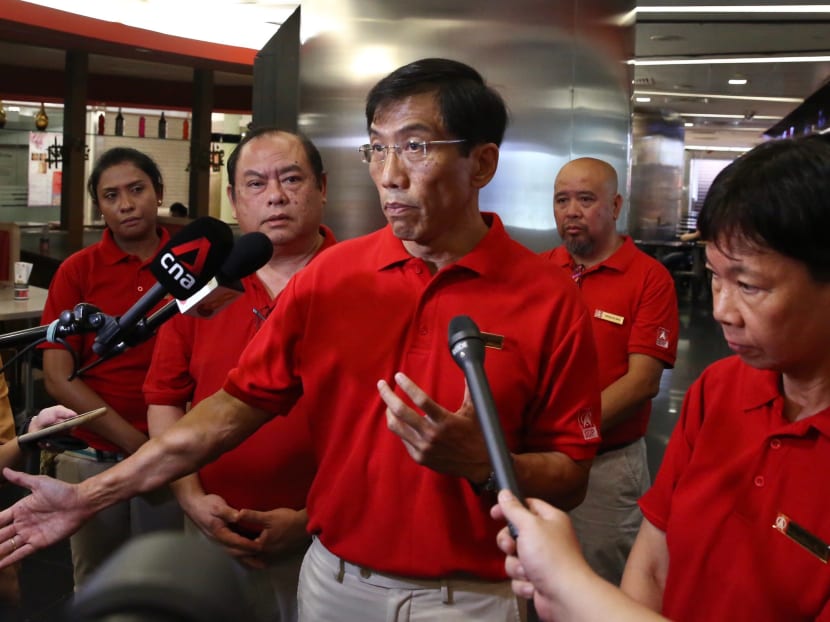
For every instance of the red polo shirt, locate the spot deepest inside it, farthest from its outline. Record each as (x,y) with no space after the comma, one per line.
(366,309)
(633,309)
(107,277)
(733,468)
(274,467)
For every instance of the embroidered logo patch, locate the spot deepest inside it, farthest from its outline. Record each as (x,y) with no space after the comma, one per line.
(586,422)
(662,337)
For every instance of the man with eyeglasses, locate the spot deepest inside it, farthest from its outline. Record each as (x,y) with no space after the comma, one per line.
(399,508)
(251,500)
(633,307)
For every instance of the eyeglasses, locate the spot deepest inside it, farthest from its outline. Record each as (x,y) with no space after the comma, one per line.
(411,151)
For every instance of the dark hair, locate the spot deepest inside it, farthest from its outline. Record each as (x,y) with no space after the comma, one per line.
(469,108)
(117,155)
(775,196)
(178,209)
(311,152)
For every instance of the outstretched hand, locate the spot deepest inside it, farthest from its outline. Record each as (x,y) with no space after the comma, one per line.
(52,512)
(546,554)
(546,564)
(447,442)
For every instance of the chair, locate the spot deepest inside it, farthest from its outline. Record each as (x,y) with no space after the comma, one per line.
(173,224)
(9,250)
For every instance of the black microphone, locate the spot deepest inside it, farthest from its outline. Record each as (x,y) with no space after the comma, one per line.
(182,267)
(467,349)
(83,318)
(249,254)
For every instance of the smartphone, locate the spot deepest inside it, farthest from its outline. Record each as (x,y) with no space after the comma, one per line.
(61,426)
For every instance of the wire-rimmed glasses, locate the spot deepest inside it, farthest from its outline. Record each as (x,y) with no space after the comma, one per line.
(411,151)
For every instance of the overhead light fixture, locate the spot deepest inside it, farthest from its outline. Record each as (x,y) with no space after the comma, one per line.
(738,81)
(662,38)
(688,124)
(783,100)
(715,148)
(708,8)
(242,24)
(712,115)
(643,100)
(724,60)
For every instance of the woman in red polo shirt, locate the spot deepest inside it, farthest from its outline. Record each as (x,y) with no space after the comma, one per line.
(736,524)
(112,274)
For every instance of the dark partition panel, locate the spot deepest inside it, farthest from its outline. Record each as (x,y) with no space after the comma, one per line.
(276,95)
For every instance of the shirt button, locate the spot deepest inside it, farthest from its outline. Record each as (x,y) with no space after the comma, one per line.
(418,269)
(759,481)
(775,443)
(141,289)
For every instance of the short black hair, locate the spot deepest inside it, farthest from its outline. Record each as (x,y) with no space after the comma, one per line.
(470,109)
(178,209)
(118,155)
(311,152)
(776,196)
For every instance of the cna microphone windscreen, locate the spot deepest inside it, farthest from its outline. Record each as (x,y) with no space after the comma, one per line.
(249,254)
(467,348)
(189,260)
(193,256)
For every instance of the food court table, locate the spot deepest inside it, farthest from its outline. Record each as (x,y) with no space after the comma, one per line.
(29,310)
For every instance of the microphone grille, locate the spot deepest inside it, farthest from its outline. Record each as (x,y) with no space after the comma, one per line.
(462,327)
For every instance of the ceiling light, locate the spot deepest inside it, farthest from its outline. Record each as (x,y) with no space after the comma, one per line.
(712,115)
(783,100)
(738,81)
(688,124)
(722,60)
(777,8)
(715,148)
(249,25)
(666,38)
(643,100)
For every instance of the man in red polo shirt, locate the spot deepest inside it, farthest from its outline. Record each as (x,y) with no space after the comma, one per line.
(277,185)
(399,508)
(633,307)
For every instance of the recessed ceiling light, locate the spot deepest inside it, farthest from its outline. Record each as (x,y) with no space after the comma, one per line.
(643,100)
(689,124)
(738,81)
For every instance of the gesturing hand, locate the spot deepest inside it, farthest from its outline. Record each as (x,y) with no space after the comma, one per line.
(52,512)
(445,441)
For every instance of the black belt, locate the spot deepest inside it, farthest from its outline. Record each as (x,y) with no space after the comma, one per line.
(605,450)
